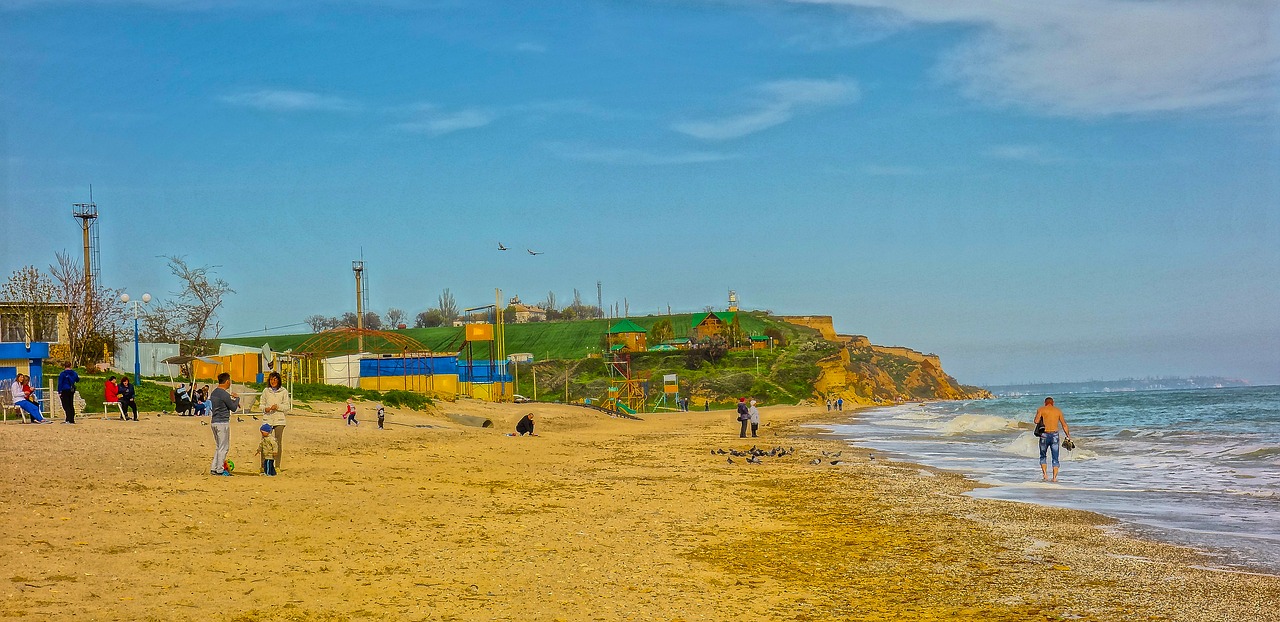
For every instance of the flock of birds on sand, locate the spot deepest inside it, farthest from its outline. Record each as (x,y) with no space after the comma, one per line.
(754,454)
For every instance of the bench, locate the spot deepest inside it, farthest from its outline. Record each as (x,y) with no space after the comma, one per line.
(106,413)
(6,403)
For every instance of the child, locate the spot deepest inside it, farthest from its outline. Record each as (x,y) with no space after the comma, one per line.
(382,413)
(350,415)
(267,449)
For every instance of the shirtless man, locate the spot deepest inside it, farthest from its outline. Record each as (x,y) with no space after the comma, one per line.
(1052,418)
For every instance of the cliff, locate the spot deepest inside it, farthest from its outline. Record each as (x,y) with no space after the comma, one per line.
(865,373)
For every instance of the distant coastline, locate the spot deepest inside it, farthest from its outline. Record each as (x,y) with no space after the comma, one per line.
(1126,384)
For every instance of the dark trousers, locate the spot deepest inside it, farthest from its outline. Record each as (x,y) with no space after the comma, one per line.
(124,409)
(754,427)
(743,432)
(269,467)
(380,423)
(68,399)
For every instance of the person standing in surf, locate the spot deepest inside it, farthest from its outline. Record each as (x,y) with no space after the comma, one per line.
(1052,418)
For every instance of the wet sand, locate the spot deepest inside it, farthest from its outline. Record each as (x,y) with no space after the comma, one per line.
(596,519)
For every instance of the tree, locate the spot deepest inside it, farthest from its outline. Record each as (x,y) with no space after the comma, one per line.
(429,319)
(549,304)
(395,317)
(192,313)
(448,306)
(31,314)
(662,331)
(348,320)
(372,321)
(90,325)
(317,322)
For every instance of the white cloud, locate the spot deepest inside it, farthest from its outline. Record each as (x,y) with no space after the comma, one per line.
(633,156)
(277,100)
(435,121)
(770,104)
(1105,57)
(1034,154)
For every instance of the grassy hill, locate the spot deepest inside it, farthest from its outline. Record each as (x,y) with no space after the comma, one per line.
(545,340)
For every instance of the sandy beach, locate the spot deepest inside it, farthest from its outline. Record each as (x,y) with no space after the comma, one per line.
(595,519)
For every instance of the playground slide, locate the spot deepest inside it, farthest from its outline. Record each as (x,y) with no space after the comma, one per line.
(623,407)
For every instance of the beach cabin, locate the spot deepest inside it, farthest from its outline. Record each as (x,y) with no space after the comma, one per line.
(627,335)
(706,325)
(30,334)
(760,342)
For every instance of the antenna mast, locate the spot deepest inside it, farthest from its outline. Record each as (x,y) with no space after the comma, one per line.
(358,268)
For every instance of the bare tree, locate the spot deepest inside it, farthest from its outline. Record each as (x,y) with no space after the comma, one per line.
(193,311)
(92,326)
(448,306)
(317,322)
(31,314)
(395,317)
(549,304)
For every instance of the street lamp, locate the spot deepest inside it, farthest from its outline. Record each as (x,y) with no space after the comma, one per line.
(137,357)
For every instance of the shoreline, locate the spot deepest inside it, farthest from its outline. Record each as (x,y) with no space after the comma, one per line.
(1222,558)
(597,518)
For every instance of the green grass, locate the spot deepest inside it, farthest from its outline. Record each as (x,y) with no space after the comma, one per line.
(545,340)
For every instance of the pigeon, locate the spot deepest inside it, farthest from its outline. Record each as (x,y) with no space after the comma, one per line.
(730,460)
(872,456)
(816,461)
(204,423)
(239,418)
(754,460)
(721,452)
(835,462)
(713,452)
(825,454)
(255,417)
(837,454)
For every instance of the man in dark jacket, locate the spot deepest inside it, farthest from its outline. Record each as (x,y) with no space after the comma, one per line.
(744,415)
(67,391)
(525,426)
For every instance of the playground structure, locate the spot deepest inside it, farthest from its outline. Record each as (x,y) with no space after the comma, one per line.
(670,390)
(488,378)
(627,390)
(309,362)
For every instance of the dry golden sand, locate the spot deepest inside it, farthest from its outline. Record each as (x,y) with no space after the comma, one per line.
(597,519)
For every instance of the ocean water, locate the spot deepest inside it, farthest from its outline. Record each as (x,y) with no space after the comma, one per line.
(1195,467)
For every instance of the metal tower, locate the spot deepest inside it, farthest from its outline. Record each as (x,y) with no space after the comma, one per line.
(87,214)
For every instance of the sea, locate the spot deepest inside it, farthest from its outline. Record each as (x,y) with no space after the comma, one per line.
(1196,467)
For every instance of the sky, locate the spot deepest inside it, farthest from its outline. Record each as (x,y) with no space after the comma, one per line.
(1035,191)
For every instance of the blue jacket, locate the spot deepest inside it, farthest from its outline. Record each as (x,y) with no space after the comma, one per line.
(67,380)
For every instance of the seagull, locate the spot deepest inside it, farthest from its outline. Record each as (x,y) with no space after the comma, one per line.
(501,247)
(531,252)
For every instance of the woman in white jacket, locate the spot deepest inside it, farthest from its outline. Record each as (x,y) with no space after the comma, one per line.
(275,403)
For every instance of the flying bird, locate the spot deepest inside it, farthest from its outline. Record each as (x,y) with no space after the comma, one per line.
(533,252)
(501,247)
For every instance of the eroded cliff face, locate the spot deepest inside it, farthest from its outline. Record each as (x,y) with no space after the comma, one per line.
(865,373)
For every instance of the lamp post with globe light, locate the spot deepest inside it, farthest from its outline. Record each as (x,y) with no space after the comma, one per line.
(137,358)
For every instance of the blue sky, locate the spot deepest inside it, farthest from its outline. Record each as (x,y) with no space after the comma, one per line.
(1035,191)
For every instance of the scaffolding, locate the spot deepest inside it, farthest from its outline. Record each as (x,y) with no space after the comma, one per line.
(306,362)
(626,393)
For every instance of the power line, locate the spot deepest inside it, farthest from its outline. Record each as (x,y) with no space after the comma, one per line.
(268,328)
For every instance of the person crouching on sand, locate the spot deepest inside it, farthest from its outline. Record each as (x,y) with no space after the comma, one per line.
(1051,417)
(350,415)
(525,426)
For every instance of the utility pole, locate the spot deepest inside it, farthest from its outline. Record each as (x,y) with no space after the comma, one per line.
(599,298)
(358,268)
(534,369)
